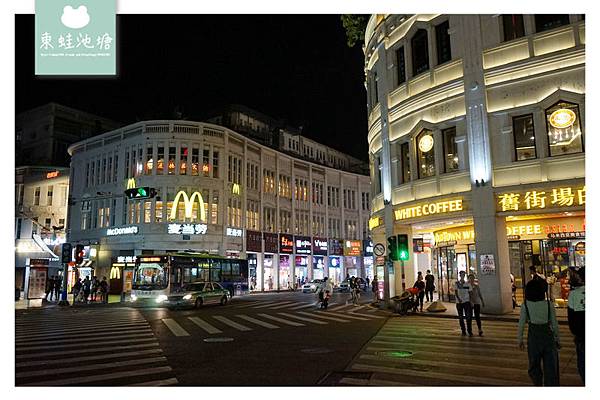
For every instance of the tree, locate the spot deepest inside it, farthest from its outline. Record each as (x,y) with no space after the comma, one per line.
(355,26)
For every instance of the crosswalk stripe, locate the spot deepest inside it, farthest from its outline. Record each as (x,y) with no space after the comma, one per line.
(231,323)
(97,321)
(162,382)
(358,308)
(205,325)
(99,378)
(339,307)
(346,315)
(83,330)
(78,368)
(304,305)
(48,347)
(56,327)
(286,305)
(174,327)
(277,303)
(283,321)
(318,315)
(121,331)
(86,350)
(313,321)
(88,358)
(370,316)
(262,303)
(258,322)
(68,339)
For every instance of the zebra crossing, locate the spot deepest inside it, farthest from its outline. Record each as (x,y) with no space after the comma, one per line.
(111,347)
(270,316)
(429,351)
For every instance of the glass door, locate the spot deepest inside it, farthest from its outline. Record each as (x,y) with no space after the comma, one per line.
(447,272)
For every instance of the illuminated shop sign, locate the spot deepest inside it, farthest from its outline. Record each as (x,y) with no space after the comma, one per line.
(234,232)
(235,189)
(303,244)
(567,235)
(374,222)
(130,183)
(422,210)
(127,230)
(271,242)
(286,243)
(566,196)
(426,143)
(562,118)
(126,259)
(52,174)
(254,241)
(336,247)
(187,229)
(367,248)
(352,247)
(189,205)
(115,273)
(320,246)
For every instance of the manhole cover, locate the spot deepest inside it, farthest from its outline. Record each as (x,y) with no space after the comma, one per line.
(317,350)
(218,340)
(395,354)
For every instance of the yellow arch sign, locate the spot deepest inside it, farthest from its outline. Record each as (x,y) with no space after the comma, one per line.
(115,273)
(189,205)
(131,183)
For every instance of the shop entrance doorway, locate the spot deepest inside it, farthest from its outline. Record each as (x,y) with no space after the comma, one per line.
(447,272)
(520,254)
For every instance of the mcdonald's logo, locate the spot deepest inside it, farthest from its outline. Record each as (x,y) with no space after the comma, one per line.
(235,189)
(189,205)
(131,183)
(115,273)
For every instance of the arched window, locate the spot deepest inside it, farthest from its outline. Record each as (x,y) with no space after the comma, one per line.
(420,52)
(426,154)
(563,124)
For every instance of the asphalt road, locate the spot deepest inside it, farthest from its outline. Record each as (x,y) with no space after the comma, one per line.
(273,339)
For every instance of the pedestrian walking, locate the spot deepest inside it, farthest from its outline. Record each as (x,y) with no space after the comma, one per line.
(576,315)
(368,283)
(513,287)
(94,288)
(76,289)
(543,339)
(374,287)
(325,293)
(49,288)
(463,291)
(429,286)
(87,284)
(420,285)
(57,287)
(476,302)
(104,290)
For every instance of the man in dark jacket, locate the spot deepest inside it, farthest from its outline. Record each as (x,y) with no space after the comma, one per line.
(576,314)
(429,286)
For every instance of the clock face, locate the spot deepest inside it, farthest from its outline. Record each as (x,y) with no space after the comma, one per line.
(426,143)
(562,118)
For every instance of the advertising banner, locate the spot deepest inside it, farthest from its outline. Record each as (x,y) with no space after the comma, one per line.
(319,246)
(336,247)
(286,243)
(254,241)
(352,247)
(487,265)
(303,244)
(271,242)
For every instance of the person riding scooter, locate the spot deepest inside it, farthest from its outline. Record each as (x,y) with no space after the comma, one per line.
(325,292)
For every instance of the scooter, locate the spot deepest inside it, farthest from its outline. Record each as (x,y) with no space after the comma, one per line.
(325,300)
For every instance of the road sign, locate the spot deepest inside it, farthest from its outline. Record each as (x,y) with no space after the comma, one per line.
(379,249)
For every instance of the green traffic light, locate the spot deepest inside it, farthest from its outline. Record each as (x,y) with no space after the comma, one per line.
(142,192)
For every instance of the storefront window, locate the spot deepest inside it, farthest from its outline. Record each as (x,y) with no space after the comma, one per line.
(564,129)
(524,135)
(513,26)
(450,149)
(426,154)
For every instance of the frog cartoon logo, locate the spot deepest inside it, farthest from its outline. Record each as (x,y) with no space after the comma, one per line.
(75,18)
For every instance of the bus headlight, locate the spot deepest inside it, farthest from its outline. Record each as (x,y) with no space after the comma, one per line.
(161,298)
(187,297)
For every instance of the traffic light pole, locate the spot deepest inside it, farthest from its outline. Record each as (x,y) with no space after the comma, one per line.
(63,296)
(403,277)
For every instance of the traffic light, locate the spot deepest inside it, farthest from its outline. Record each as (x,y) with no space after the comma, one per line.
(403,247)
(66,253)
(144,192)
(79,253)
(393,248)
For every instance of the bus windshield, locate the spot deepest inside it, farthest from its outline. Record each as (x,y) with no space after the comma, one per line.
(150,276)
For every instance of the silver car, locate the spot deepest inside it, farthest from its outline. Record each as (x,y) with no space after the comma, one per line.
(198,294)
(311,287)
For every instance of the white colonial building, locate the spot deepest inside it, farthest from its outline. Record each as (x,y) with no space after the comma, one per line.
(476,140)
(218,192)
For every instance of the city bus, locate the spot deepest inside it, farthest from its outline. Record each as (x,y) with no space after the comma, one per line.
(158,275)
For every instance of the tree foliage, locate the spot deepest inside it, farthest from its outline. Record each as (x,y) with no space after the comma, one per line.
(355,26)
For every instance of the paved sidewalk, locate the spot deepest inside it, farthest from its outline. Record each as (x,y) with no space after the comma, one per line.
(561,314)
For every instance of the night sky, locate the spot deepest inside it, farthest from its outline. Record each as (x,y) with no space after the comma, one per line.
(295,67)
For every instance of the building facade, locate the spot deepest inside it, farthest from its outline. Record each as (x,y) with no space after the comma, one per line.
(40,218)
(218,192)
(476,142)
(44,133)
